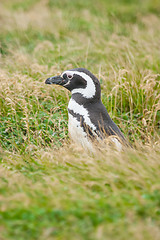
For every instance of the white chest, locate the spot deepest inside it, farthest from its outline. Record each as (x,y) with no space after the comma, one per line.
(77,132)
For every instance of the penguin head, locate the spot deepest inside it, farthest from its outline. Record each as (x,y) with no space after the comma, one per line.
(78,81)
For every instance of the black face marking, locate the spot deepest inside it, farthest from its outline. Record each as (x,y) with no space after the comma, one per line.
(64,76)
(71,80)
(76,81)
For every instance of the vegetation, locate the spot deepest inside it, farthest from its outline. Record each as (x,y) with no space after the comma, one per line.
(50,188)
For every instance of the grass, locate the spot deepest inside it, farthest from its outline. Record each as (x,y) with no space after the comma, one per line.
(50,188)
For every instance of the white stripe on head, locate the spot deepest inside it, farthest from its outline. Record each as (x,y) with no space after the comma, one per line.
(90,89)
(79,109)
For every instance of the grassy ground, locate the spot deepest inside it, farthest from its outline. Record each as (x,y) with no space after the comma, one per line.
(49,191)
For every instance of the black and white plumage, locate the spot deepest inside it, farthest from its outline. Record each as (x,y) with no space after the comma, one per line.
(88,117)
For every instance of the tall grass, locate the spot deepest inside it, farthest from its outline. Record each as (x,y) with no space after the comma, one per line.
(50,188)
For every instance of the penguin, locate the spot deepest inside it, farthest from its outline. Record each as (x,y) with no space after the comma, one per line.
(89,120)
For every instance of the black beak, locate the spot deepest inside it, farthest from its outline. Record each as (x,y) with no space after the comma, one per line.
(55,80)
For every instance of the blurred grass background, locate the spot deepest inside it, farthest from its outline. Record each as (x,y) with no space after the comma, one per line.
(50,189)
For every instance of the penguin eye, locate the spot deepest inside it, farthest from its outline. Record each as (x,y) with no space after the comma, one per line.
(69,76)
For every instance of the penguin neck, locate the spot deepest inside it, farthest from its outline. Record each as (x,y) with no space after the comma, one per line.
(85,101)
